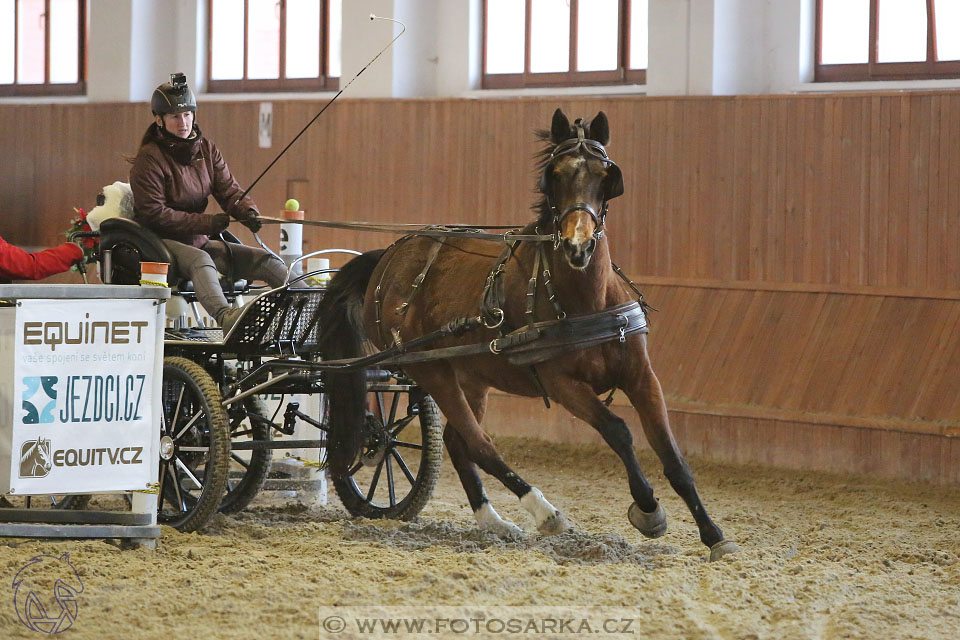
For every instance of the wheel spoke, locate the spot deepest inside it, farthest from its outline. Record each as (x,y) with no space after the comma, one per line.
(195,417)
(373,483)
(240,434)
(403,466)
(181,505)
(390,486)
(393,408)
(383,413)
(355,468)
(409,445)
(176,412)
(243,463)
(401,425)
(189,473)
(163,476)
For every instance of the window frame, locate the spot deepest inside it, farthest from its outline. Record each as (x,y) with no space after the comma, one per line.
(622,75)
(323,82)
(46,88)
(929,69)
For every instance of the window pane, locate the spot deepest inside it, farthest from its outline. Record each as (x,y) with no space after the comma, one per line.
(6,41)
(639,15)
(845,32)
(598,35)
(64,41)
(226,45)
(30,42)
(505,35)
(902,36)
(947,16)
(303,39)
(263,39)
(336,24)
(549,36)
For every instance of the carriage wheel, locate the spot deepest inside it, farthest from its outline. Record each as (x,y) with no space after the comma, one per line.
(248,469)
(74,501)
(194,446)
(400,463)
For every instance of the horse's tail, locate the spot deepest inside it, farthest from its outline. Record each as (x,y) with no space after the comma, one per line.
(342,337)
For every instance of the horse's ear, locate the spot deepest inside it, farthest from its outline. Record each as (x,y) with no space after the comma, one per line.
(560,129)
(600,129)
(613,183)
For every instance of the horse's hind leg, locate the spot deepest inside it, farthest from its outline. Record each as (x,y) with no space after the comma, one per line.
(646,396)
(487,517)
(440,380)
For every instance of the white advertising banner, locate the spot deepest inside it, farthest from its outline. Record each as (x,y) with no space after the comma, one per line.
(83,404)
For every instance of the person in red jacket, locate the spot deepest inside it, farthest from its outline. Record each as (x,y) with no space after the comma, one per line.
(17,264)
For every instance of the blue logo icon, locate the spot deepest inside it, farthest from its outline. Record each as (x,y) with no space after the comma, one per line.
(39,609)
(31,385)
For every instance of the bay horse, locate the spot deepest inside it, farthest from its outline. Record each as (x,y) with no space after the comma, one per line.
(420,283)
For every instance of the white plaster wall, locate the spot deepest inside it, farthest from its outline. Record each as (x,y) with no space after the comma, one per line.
(108,64)
(362,39)
(415,58)
(459,52)
(697,47)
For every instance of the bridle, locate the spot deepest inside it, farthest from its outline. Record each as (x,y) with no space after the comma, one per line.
(581,145)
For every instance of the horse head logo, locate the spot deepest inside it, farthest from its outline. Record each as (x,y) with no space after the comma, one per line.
(35,458)
(45,593)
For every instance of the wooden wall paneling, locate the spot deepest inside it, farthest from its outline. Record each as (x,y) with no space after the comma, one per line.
(951,207)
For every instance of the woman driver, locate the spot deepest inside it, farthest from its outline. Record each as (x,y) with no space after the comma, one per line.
(175,171)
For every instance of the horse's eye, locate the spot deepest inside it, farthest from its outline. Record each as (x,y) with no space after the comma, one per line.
(101,199)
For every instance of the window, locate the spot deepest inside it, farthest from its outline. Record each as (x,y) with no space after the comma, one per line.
(42,47)
(546,43)
(274,45)
(887,39)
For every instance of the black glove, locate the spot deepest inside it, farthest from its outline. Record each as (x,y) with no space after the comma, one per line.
(250,221)
(218,222)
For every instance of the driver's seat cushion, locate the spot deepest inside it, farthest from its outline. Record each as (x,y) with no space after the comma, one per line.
(131,243)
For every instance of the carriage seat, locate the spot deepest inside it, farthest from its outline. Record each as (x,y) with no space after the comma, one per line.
(131,243)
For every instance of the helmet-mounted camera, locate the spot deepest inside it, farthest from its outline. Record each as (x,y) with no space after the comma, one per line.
(173,97)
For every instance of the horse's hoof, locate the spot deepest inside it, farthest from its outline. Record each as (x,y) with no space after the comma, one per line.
(723,548)
(490,521)
(652,525)
(503,529)
(553,525)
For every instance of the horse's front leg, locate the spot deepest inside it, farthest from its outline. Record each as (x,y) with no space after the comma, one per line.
(578,398)
(646,396)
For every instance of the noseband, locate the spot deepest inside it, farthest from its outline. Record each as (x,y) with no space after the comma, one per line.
(581,146)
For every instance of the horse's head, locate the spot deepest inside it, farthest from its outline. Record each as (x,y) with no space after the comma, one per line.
(577,181)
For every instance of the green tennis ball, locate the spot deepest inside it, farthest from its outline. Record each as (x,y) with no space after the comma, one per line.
(291,205)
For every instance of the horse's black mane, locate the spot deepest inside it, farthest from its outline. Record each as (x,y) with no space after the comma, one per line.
(542,157)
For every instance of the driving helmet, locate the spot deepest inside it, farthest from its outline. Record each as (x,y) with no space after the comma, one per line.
(173,97)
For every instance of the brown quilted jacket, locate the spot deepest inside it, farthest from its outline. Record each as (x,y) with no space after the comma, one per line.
(171,180)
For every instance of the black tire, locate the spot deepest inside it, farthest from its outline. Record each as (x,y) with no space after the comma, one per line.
(74,501)
(250,420)
(363,493)
(194,446)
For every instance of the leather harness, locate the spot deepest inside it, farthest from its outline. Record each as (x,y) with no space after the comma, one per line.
(536,341)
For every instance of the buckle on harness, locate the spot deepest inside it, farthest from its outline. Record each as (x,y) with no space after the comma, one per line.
(494,349)
(495,311)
